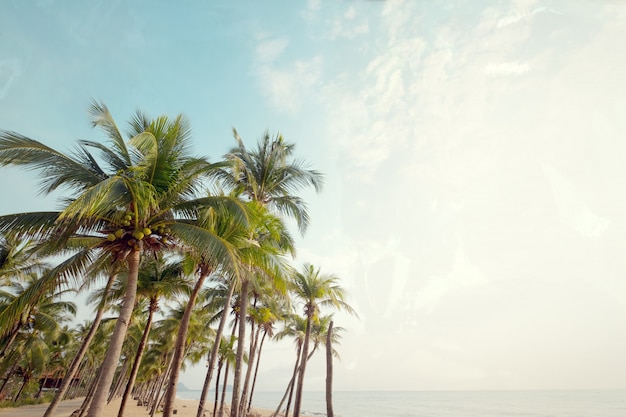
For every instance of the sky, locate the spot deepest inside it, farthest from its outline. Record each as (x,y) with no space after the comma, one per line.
(475,187)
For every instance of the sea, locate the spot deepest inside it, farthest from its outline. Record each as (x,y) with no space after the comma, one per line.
(578,403)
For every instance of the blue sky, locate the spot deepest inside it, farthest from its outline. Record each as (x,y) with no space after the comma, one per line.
(474,204)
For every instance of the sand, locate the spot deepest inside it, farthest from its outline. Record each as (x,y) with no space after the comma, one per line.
(185,408)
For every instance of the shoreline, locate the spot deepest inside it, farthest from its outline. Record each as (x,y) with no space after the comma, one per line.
(184,408)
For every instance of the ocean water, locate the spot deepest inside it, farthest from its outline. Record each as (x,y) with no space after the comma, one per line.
(583,403)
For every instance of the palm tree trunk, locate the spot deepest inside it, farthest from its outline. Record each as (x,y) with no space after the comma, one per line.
(69,375)
(305,351)
(223,400)
(215,350)
(121,376)
(90,393)
(289,390)
(243,304)
(217,386)
(251,357)
(256,370)
(329,371)
(181,339)
(41,385)
(117,339)
(10,341)
(17,396)
(158,398)
(142,346)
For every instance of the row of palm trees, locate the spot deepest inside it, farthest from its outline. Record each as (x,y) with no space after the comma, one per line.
(171,246)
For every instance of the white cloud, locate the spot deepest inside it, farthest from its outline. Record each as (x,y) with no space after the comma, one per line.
(287,86)
(507,68)
(509,20)
(572,209)
(462,275)
(347,26)
(269,50)
(10,70)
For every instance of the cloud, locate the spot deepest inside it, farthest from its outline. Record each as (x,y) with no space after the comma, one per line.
(509,20)
(507,68)
(287,86)
(268,51)
(347,26)
(462,275)
(572,209)
(10,70)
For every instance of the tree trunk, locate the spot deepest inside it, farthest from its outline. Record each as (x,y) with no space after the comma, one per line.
(8,376)
(223,399)
(90,393)
(118,382)
(305,351)
(10,341)
(289,390)
(179,350)
(142,346)
(41,385)
(243,305)
(158,398)
(329,371)
(251,357)
(226,372)
(217,387)
(215,350)
(256,370)
(117,339)
(69,375)
(17,396)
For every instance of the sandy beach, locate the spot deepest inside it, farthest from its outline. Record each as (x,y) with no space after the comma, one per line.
(184,408)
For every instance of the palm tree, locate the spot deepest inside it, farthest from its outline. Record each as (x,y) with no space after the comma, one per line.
(269,177)
(157,279)
(89,335)
(314,289)
(45,312)
(329,371)
(18,259)
(131,205)
(40,325)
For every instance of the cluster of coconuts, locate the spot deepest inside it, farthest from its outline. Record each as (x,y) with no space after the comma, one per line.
(138,234)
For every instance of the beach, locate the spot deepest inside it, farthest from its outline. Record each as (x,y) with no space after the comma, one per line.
(184,408)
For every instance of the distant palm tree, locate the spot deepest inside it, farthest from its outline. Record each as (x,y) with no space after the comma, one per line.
(88,337)
(314,289)
(18,259)
(41,323)
(43,313)
(294,326)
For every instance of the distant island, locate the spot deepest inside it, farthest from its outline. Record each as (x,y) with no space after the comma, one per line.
(183,387)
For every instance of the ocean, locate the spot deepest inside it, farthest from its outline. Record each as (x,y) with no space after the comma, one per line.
(583,403)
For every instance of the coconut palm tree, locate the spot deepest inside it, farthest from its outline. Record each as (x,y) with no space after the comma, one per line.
(18,259)
(268,176)
(294,326)
(86,340)
(157,279)
(261,253)
(314,289)
(129,203)
(45,313)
